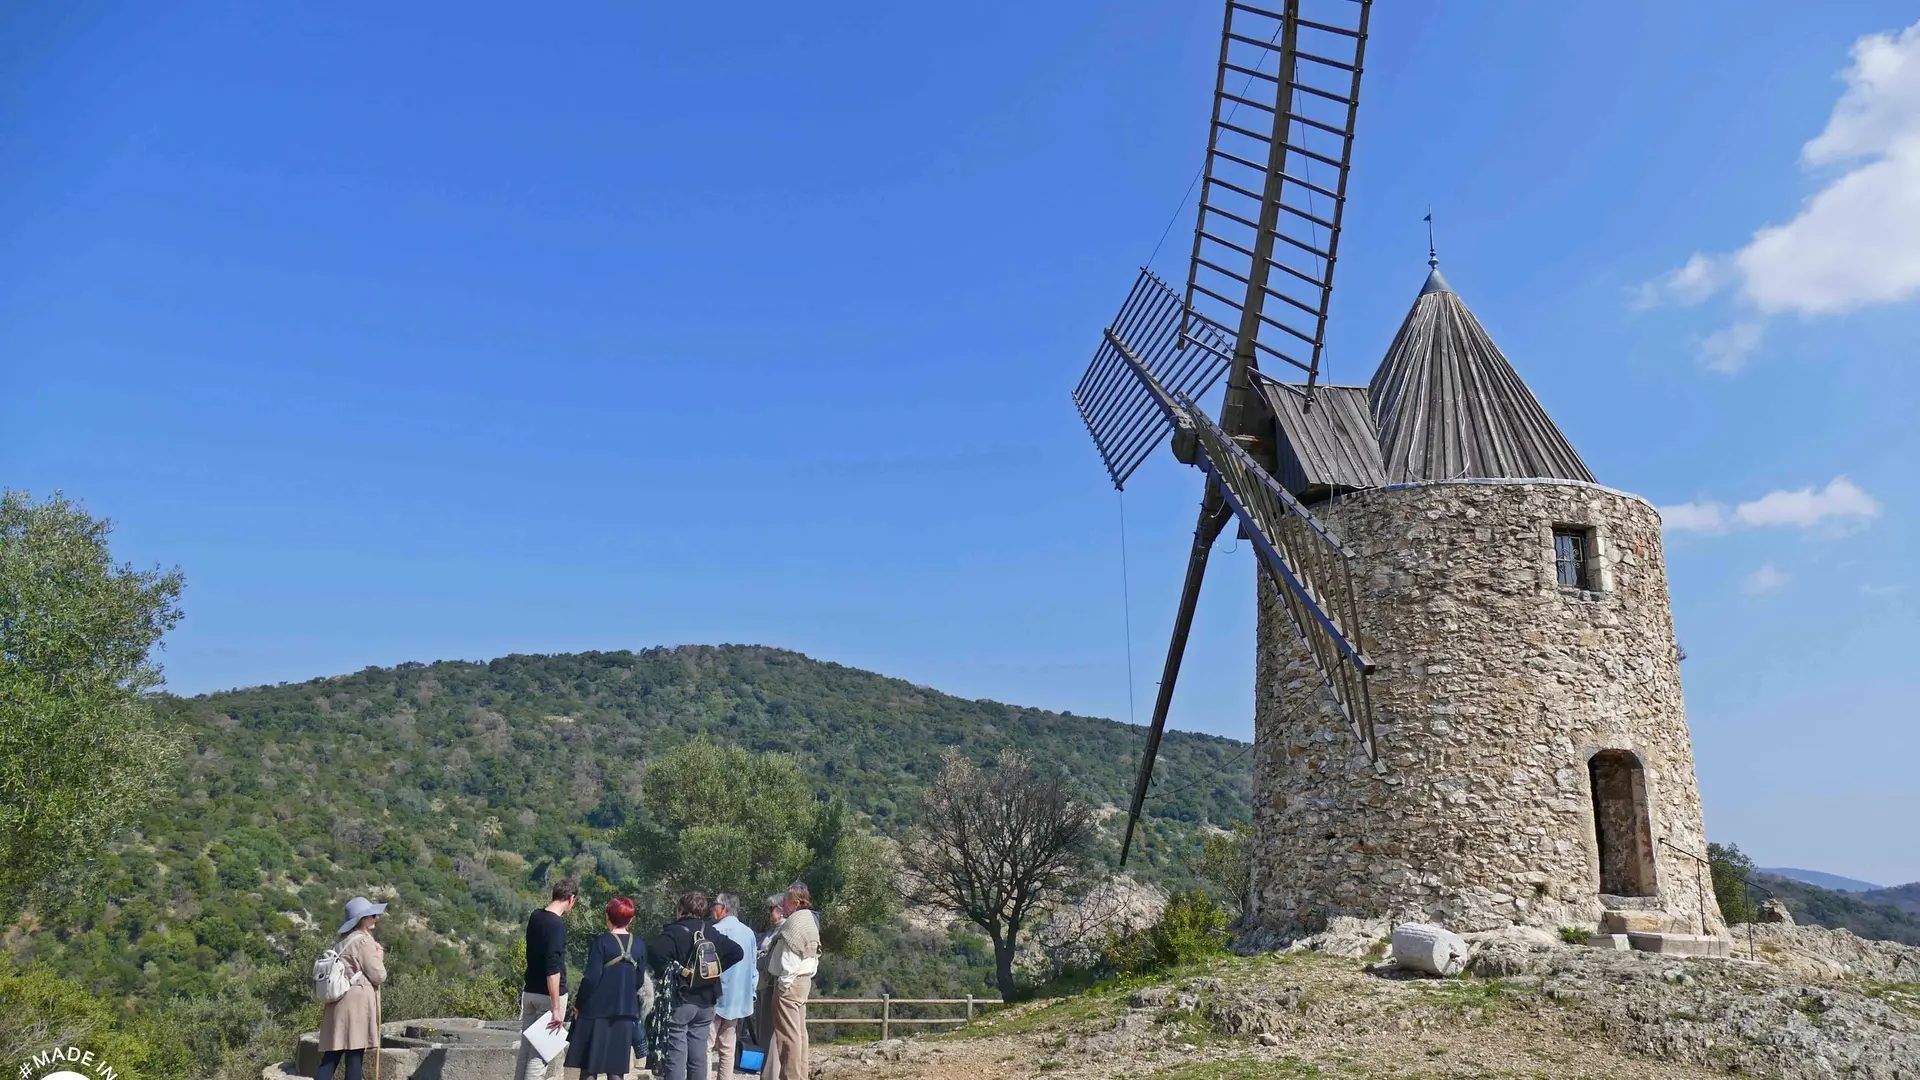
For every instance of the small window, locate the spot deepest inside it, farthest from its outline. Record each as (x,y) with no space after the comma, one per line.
(1573,558)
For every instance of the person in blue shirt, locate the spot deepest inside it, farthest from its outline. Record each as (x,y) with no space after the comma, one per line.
(737,985)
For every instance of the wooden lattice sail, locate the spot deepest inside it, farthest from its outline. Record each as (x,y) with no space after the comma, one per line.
(1259,281)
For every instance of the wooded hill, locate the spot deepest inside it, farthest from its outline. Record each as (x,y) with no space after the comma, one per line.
(1886,914)
(462,786)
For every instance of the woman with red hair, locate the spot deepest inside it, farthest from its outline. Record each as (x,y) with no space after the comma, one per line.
(607,1010)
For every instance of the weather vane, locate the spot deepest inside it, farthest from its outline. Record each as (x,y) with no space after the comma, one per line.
(1433,259)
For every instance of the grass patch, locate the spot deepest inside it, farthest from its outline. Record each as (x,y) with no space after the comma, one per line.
(1900,996)
(1242,1069)
(1811,1006)
(1467,993)
(1051,1015)
(1575,935)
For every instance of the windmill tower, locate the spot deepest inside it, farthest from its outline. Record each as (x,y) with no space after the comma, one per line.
(1467,695)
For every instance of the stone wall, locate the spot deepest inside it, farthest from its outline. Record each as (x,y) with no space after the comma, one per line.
(1494,688)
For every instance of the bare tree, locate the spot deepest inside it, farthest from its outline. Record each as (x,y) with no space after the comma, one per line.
(996,847)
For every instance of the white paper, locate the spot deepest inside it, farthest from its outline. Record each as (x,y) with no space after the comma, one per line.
(545,1043)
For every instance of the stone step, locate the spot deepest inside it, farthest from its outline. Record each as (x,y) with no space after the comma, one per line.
(1680,944)
(1641,921)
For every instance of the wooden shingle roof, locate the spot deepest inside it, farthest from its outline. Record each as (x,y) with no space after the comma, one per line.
(1329,447)
(1444,405)
(1447,404)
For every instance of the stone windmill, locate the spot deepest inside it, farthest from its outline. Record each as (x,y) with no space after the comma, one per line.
(1467,693)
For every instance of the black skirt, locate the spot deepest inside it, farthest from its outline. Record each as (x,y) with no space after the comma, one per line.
(601,1045)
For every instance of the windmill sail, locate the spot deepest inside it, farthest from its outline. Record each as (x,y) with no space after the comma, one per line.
(1125,422)
(1311,570)
(1264,247)
(1275,188)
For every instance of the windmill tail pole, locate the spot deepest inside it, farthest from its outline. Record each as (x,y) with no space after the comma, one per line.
(1213,515)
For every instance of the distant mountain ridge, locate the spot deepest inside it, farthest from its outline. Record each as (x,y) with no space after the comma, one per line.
(1822,879)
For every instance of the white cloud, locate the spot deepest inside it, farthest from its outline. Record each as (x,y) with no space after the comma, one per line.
(1882,590)
(1856,242)
(1841,501)
(1708,517)
(1726,351)
(1700,278)
(1764,580)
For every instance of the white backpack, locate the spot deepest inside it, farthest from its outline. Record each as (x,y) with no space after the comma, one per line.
(331,979)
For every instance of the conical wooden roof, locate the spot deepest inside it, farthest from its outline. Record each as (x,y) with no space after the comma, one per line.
(1448,406)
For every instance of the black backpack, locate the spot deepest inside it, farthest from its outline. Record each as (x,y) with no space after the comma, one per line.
(703,967)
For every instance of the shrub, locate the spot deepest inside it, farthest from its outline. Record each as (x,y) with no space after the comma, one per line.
(39,1010)
(1575,935)
(1190,929)
(1225,863)
(1731,870)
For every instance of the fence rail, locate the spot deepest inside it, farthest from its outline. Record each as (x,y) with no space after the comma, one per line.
(886,1020)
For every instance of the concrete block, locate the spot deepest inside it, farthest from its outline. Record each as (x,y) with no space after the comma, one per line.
(448,1048)
(1615,942)
(1680,944)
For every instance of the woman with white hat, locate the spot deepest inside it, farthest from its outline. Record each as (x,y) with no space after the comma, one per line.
(351,1025)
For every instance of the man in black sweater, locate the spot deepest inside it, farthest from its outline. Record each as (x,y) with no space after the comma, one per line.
(546,982)
(693,1002)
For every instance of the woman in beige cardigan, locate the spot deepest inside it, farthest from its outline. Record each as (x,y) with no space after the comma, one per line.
(793,959)
(351,1025)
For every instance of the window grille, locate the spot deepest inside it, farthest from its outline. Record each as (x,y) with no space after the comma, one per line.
(1573,558)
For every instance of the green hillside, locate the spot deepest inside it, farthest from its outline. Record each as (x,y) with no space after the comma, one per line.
(1866,914)
(462,786)
(1905,897)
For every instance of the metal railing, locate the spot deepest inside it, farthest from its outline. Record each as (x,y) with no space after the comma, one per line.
(887,1002)
(1706,866)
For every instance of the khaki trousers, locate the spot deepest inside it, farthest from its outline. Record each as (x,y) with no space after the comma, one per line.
(527,1064)
(726,1035)
(790,1027)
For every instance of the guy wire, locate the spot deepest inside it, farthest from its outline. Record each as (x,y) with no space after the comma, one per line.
(1202,170)
(1126,608)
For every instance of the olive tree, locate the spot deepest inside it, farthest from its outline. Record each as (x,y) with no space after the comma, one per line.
(1732,871)
(721,818)
(996,846)
(80,750)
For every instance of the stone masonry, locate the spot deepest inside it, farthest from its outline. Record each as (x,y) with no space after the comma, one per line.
(1495,689)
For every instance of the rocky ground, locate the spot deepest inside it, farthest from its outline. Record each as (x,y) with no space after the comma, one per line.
(1813,1003)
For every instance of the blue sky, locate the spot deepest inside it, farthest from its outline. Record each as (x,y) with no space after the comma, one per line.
(453,332)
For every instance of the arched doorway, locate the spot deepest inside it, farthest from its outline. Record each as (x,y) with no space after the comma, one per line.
(1621,823)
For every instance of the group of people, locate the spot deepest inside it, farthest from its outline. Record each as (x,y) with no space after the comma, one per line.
(725,986)
(715,986)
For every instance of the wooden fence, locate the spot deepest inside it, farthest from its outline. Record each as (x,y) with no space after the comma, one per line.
(970,1004)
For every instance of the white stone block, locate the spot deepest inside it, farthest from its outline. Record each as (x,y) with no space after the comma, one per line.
(1432,949)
